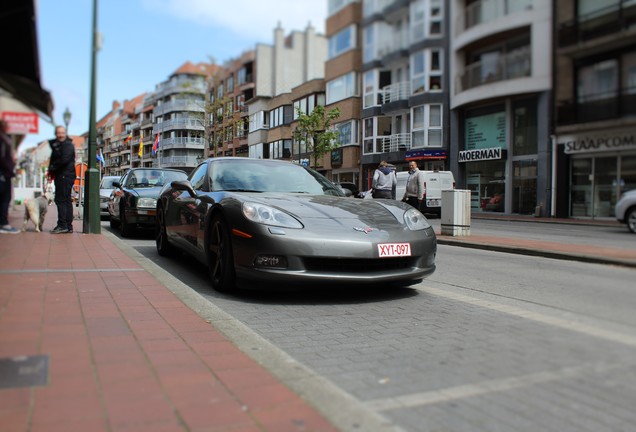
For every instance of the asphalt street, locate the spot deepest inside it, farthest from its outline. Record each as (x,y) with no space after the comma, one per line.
(491,341)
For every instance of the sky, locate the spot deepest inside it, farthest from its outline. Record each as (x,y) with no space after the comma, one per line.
(143,43)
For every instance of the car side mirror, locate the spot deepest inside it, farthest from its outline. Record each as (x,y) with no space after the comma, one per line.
(116,184)
(184,185)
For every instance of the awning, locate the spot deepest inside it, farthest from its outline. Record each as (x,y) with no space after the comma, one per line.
(20,68)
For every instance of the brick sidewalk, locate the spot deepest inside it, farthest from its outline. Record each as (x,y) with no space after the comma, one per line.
(124,353)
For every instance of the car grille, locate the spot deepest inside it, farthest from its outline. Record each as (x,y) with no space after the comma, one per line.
(354,265)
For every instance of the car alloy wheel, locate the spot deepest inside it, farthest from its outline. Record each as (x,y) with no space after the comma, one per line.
(220,259)
(631,219)
(164,248)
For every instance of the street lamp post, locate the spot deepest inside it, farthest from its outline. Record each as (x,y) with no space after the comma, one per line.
(91,205)
(67,118)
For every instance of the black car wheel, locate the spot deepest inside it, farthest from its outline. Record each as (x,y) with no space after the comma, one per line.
(126,228)
(114,223)
(164,248)
(220,259)
(631,219)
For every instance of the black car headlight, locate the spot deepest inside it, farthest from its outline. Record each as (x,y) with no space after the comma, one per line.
(415,220)
(267,215)
(147,202)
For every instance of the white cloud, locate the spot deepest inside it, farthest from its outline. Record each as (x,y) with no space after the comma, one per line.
(251,19)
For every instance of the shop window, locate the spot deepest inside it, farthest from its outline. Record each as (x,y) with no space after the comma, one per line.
(487,182)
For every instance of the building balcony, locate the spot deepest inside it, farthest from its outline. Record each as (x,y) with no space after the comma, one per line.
(388,143)
(179,123)
(599,107)
(146,122)
(176,161)
(180,85)
(484,11)
(396,92)
(179,105)
(182,142)
(515,64)
(610,20)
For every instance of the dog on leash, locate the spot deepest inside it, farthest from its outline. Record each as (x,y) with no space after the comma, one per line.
(35,210)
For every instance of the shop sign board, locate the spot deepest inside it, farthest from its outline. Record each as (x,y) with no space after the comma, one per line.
(481,154)
(485,131)
(611,141)
(21,122)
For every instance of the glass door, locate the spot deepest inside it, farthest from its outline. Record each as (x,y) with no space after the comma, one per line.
(604,197)
(581,190)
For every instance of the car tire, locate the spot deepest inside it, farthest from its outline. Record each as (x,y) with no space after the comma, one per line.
(630,218)
(219,255)
(164,248)
(126,228)
(114,223)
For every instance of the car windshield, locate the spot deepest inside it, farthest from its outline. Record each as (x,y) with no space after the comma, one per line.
(260,176)
(107,182)
(153,178)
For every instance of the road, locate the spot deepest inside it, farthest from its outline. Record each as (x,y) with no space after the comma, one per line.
(492,341)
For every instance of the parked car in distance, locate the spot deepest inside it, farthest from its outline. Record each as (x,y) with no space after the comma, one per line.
(625,210)
(434,183)
(133,203)
(351,187)
(106,187)
(260,222)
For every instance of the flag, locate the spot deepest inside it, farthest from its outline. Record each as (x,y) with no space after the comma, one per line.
(128,138)
(100,157)
(155,146)
(141,147)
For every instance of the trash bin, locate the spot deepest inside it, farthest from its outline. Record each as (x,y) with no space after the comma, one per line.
(455,219)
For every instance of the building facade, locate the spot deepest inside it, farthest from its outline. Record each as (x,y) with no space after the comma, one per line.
(595,106)
(405,86)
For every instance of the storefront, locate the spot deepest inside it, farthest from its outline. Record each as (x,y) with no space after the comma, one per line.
(499,157)
(602,166)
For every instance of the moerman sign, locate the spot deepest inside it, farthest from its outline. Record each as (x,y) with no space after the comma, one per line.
(481,154)
(597,143)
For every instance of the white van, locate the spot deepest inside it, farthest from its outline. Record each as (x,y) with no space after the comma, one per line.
(434,183)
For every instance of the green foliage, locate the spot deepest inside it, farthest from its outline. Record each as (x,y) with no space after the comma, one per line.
(314,130)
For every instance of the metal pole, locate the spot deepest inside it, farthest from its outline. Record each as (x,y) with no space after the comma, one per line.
(92,223)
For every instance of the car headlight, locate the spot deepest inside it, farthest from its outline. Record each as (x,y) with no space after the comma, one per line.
(415,220)
(147,202)
(267,215)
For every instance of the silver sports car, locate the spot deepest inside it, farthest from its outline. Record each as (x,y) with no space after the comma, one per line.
(257,222)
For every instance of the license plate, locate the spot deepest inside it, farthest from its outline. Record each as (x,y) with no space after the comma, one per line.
(147,212)
(386,250)
(433,203)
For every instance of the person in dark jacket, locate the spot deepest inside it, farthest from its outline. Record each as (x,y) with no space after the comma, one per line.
(7,172)
(62,170)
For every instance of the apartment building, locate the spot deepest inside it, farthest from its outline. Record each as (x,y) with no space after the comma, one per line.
(342,71)
(230,87)
(405,85)
(280,72)
(595,106)
(501,69)
(180,119)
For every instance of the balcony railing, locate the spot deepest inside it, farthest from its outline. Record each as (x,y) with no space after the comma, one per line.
(603,106)
(515,64)
(609,20)
(179,105)
(182,142)
(176,161)
(396,92)
(179,123)
(483,11)
(396,142)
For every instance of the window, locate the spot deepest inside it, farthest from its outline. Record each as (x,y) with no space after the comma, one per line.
(426,71)
(375,131)
(229,133)
(426,19)
(280,149)
(230,84)
(426,126)
(598,81)
(229,108)
(347,133)
(369,47)
(524,131)
(342,41)
(219,91)
(307,104)
(241,76)
(197,178)
(370,86)
(258,121)
(342,87)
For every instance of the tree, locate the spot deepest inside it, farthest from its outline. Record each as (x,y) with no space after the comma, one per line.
(315,132)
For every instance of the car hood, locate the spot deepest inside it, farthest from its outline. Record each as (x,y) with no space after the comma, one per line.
(340,210)
(105,193)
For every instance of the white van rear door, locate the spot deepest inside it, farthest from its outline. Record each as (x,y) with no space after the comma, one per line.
(433,189)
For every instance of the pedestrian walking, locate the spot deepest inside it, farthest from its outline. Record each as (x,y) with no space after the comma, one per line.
(414,190)
(62,171)
(384,182)
(7,172)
